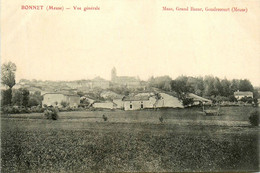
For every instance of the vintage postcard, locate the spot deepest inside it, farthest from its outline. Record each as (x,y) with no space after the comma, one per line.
(130,86)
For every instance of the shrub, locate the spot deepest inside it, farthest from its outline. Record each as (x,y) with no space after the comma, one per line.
(247,100)
(64,104)
(254,118)
(37,109)
(187,101)
(15,110)
(51,113)
(7,109)
(104,118)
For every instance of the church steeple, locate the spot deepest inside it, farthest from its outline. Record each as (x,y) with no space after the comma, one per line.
(113,74)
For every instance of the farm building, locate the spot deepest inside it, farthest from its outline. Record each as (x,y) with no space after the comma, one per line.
(105,105)
(168,101)
(240,94)
(55,99)
(138,102)
(197,99)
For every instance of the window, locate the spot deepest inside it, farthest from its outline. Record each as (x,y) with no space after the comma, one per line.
(131,106)
(142,106)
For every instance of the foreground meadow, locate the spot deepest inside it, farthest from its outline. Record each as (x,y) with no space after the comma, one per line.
(187,140)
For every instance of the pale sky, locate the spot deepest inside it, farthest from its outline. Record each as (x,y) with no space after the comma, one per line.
(136,37)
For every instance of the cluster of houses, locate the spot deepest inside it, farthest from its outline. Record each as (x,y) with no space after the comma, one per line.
(112,100)
(57,93)
(80,85)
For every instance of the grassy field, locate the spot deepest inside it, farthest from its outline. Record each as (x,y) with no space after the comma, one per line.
(187,140)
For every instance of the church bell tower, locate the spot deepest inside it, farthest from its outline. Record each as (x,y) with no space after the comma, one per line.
(113,74)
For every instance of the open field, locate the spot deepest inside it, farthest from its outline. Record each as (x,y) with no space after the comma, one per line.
(187,140)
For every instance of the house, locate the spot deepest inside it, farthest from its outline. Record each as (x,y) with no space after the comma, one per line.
(105,105)
(241,94)
(138,102)
(55,99)
(167,100)
(197,99)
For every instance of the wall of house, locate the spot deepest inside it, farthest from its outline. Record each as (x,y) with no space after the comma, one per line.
(106,105)
(73,101)
(52,99)
(137,105)
(132,105)
(56,99)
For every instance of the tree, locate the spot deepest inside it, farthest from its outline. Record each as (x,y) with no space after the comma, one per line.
(162,82)
(8,79)
(234,85)
(35,99)
(21,97)
(8,74)
(6,97)
(209,86)
(226,90)
(180,86)
(245,85)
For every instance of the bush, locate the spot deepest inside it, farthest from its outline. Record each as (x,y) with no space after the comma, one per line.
(15,110)
(187,101)
(37,109)
(64,104)
(7,109)
(254,118)
(51,113)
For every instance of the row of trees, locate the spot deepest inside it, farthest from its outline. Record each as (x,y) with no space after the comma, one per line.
(21,97)
(209,86)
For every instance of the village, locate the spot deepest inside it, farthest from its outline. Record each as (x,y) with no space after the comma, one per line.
(121,92)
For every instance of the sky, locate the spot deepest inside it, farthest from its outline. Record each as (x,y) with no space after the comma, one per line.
(136,37)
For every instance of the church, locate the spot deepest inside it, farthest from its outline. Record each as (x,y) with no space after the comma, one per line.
(125,81)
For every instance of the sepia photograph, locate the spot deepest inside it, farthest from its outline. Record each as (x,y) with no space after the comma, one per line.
(130,86)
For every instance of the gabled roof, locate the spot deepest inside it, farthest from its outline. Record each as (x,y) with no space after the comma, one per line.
(136,98)
(111,94)
(243,93)
(65,94)
(198,98)
(126,79)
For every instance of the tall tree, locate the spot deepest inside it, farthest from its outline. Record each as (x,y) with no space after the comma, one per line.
(8,74)
(226,88)
(245,85)
(21,97)
(8,79)
(209,86)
